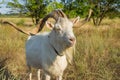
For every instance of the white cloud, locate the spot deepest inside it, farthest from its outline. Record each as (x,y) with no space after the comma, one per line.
(3,8)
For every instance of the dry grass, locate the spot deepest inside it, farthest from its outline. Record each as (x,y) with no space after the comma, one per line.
(97,52)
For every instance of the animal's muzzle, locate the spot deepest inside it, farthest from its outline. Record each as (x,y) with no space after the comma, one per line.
(72,41)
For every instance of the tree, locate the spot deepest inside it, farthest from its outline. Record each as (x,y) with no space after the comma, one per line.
(101,8)
(36,9)
(16,6)
(69,7)
(2,1)
(54,5)
(33,8)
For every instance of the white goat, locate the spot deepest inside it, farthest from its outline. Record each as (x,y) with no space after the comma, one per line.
(50,51)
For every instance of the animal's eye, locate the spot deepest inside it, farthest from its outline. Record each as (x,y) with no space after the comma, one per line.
(58,27)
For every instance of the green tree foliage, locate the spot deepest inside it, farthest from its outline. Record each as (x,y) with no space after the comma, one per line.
(16,5)
(69,7)
(54,5)
(1,1)
(36,9)
(33,8)
(75,7)
(100,8)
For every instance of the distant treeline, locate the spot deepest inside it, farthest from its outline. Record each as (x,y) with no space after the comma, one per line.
(37,9)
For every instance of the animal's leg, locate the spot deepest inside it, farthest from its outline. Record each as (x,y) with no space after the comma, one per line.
(47,77)
(59,78)
(30,76)
(30,73)
(38,74)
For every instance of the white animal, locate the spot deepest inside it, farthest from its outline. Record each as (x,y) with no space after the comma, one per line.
(51,51)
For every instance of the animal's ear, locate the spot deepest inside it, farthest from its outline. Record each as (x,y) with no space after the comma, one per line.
(49,25)
(76,20)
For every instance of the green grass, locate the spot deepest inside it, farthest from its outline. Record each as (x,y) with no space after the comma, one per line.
(97,52)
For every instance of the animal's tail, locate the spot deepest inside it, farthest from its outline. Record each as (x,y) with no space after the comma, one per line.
(18,29)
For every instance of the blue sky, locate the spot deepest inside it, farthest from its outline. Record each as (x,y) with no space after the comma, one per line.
(3,5)
(3,8)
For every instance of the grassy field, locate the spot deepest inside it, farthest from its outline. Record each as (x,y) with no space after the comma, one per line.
(97,52)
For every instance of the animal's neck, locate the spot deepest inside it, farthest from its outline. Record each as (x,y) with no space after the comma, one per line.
(57,45)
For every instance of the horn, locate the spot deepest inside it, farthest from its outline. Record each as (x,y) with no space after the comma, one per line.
(54,14)
(62,13)
(15,26)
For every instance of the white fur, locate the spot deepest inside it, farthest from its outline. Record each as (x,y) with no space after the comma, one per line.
(41,55)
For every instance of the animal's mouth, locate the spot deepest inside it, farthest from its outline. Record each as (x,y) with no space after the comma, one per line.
(71,43)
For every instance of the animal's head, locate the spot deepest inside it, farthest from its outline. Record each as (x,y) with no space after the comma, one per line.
(62,31)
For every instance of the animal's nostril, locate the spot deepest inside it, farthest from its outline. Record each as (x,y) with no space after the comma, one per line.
(72,39)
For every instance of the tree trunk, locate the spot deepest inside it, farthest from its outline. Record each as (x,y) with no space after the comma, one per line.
(33,20)
(89,15)
(94,20)
(36,21)
(97,21)
(101,18)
